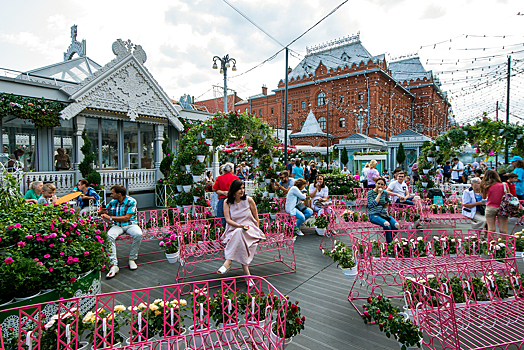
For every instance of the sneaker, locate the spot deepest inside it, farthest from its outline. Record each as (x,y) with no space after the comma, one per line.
(300,233)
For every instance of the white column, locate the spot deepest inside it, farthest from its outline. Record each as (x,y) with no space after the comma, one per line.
(340,159)
(216,163)
(79,156)
(159,137)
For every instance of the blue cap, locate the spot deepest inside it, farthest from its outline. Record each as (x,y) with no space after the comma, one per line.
(515,158)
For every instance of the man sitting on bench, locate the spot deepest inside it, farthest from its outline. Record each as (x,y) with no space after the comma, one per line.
(400,189)
(122,212)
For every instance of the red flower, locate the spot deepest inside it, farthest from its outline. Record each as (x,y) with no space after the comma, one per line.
(378,311)
(72,280)
(303,318)
(369,299)
(293,308)
(390,317)
(297,320)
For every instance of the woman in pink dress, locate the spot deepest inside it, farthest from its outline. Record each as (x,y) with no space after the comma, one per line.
(242,233)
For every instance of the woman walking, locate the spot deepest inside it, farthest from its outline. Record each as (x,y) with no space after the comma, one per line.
(372,174)
(221,187)
(493,189)
(378,201)
(242,233)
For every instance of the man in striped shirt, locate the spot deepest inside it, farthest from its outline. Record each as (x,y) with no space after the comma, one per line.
(122,212)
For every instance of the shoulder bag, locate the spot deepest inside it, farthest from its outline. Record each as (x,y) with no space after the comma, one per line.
(509,205)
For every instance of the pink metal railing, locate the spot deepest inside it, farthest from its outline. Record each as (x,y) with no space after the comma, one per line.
(362,195)
(447,213)
(379,263)
(465,305)
(199,241)
(161,312)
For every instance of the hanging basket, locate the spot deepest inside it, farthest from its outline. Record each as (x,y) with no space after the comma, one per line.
(430,159)
(425,184)
(437,148)
(201,158)
(187,188)
(188,168)
(209,142)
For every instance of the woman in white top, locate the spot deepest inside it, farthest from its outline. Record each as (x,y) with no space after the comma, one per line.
(318,191)
(295,197)
(471,202)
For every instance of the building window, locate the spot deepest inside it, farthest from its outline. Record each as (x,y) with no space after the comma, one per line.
(130,146)
(245,110)
(272,110)
(147,139)
(341,98)
(303,104)
(302,125)
(290,126)
(360,96)
(321,99)
(92,133)
(63,138)
(289,107)
(110,144)
(322,123)
(342,123)
(19,134)
(260,112)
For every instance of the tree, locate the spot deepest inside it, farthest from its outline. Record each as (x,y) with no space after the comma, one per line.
(165,165)
(401,155)
(344,157)
(86,166)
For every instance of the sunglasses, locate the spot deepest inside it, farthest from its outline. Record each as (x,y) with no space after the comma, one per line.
(282,177)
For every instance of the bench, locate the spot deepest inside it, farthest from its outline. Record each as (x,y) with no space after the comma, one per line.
(379,263)
(461,305)
(199,241)
(449,212)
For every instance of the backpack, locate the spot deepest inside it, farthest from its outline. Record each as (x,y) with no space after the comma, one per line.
(306,172)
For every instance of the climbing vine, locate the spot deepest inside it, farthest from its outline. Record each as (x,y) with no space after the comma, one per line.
(41,112)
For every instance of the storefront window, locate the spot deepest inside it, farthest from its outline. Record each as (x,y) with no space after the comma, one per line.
(109,145)
(18,134)
(147,136)
(63,147)
(92,134)
(130,145)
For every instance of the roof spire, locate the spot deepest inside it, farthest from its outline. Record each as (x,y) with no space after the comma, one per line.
(75,46)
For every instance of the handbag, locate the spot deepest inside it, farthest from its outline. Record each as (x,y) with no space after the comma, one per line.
(302,207)
(481,209)
(307,202)
(509,205)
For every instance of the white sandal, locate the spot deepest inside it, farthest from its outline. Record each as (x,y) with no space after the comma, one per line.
(112,272)
(223,270)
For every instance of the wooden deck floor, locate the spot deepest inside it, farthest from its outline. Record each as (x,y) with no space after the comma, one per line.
(321,289)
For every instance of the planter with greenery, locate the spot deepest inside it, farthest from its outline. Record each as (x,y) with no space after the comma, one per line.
(294,324)
(43,113)
(170,245)
(321,224)
(343,256)
(86,166)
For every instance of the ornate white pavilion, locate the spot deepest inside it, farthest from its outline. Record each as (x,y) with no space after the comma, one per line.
(121,106)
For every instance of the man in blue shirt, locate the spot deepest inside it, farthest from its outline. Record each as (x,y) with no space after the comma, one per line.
(88,193)
(289,167)
(122,212)
(518,168)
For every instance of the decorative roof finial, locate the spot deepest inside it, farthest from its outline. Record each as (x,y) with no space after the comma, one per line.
(75,46)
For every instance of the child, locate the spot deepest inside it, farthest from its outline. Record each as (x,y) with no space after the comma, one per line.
(48,195)
(438,177)
(512,178)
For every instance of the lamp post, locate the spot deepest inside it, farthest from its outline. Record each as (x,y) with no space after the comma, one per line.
(224,65)
(360,120)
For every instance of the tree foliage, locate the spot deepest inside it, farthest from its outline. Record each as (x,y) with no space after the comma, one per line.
(401,155)
(344,157)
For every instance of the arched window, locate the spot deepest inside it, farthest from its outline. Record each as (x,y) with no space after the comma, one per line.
(302,124)
(322,123)
(342,122)
(321,99)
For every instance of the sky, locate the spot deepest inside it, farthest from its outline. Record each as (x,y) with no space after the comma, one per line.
(180,38)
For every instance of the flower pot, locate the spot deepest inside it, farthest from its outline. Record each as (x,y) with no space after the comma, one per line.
(201,158)
(426,171)
(437,148)
(294,239)
(276,339)
(268,181)
(4,303)
(350,273)
(197,178)
(320,231)
(187,188)
(278,172)
(195,198)
(199,339)
(173,343)
(209,142)
(115,345)
(273,216)
(271,195)
(425,184)
(179,188)
(29,297)
(519,256)
(188,168)
(138,347)
(519,136)
(430,159)
(501,131)
(466,132)
(173,257)
(275,160)
(265,194)
(414,347)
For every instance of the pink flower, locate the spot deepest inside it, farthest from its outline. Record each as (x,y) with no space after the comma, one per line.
(8,261)
(10,227)
(72,280)
(47,256)
(18,226)
(29,237)
(21,244)
(86,253)
(50,269)
(51,245)
(62,253)
(39,264)
(61,239)
(36,259)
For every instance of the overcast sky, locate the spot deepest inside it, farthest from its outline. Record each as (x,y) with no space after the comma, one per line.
(181,37)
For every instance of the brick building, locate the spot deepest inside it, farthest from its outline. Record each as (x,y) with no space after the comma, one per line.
(356,86)
(217,104)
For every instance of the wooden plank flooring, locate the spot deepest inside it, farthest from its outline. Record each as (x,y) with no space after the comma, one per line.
(320,288)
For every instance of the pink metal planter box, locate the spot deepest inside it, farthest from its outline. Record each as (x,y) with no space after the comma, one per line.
(467,306)
(199,241)
(379,263)
(179,316)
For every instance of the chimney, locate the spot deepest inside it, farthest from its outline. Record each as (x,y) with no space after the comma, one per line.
(264,89)
(289,70)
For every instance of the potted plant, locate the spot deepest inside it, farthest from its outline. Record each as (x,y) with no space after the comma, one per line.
(199,299)
(114,319)
(294,324)
(270,191)
(321,224)
(343,256)
(431,156)
(186,180)
(197,169)
(519,246)
(198,190)
(273,210)
(408,336)
(254,306)
(173,309)
(170,244)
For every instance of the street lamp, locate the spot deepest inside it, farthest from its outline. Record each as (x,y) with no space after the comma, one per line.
(224,65)
(360,120)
